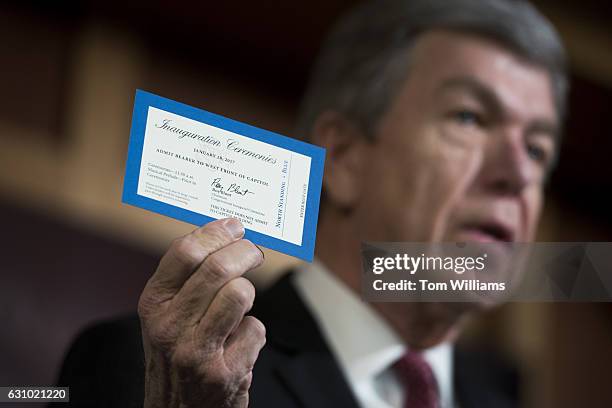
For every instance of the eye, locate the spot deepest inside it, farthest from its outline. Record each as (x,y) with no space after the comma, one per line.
(537,153)
(468,118)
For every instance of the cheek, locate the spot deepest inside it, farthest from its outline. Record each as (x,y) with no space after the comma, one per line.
(458,169)
(411,189)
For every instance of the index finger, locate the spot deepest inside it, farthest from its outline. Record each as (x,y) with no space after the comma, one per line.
(188,252)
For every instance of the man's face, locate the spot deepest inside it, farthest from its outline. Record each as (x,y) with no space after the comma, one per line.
(463,150)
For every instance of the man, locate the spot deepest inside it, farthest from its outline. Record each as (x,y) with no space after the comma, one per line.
(440,121)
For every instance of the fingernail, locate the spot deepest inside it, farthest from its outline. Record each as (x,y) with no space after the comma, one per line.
(234,227)
(263,254)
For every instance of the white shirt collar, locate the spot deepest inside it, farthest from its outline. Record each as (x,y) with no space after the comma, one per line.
(362,341)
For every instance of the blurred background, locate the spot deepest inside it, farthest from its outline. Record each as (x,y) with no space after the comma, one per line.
(73,254)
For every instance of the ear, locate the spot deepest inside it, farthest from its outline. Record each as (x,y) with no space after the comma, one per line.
(346,148)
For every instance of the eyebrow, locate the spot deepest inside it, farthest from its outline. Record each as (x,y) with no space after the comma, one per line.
(487,96)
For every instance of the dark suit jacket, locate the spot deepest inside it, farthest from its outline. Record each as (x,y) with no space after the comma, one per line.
(104,367)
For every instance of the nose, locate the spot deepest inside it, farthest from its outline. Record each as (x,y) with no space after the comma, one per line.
(507,167)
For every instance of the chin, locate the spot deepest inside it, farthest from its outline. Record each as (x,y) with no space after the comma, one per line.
(444,321)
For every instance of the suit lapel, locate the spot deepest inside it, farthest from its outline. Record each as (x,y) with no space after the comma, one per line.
(316,381)
(308,369)
(482,379)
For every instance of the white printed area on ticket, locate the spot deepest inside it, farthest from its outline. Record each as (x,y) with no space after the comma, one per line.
(218,173)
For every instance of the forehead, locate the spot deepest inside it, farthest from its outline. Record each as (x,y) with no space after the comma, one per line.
(523,88)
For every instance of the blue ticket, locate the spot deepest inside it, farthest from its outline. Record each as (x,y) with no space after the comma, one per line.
(197,166)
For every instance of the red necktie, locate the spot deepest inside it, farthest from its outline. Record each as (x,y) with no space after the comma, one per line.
(418,380)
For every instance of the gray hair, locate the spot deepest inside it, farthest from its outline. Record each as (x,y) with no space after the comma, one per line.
(366,56)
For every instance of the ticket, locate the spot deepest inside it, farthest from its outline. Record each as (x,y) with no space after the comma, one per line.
(197,166)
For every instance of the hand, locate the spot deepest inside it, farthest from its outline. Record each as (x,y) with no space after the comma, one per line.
(199,346)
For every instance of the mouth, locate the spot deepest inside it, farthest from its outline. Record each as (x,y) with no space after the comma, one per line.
(488,231)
